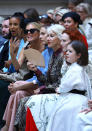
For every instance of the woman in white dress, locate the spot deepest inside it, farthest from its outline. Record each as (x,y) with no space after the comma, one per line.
(58,111)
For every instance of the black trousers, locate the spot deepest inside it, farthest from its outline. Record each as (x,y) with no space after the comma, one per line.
(4,96)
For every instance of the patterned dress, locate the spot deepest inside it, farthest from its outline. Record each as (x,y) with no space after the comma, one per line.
(51,81)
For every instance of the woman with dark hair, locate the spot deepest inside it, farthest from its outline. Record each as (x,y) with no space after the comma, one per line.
(16,31)
(80,48)
(46,20)
(73,3)
(31,14)
(71,20)
(59,111)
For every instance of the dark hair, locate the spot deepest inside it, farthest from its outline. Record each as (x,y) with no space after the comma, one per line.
(79,47)
(46,20)
(74,16)
(76,2)
(32,14)
(27,21)
(8,36)
(7,18)
(20,16)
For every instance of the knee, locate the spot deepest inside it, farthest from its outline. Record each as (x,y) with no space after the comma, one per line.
(81,118)
(19,93)
(4,83)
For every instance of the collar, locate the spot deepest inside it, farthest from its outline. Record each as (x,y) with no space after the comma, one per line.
(57,52)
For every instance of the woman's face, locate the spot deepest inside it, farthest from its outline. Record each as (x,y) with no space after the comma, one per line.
(71,6)
(65,40)
(71,55)
(32,33)
(43,35)
(69,23)
(57,18)
(14,26)
(53,40)
(82,13)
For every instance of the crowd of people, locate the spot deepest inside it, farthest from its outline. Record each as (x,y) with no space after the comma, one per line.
(58,95)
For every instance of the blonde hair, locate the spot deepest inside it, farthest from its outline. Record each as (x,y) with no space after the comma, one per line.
(37,25)
(86,7)
(51,11)
(61,12)
(56,28)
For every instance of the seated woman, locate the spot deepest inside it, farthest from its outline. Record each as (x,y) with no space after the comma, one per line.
(18,34)
(16,28)
(53,75)
(49,111)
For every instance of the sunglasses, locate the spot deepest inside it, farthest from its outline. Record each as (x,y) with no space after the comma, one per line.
(31,31)
(43,16)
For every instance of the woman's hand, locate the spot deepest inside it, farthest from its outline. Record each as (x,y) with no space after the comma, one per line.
(14,46)
(88,109)
(7,64)
(57,90)
(31,66)
(37,91)
(11,88)
(90,104)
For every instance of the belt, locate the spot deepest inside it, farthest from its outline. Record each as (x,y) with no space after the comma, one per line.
(78,91)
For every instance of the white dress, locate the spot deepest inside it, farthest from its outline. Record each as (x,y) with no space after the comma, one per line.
(53,112)
(84,122)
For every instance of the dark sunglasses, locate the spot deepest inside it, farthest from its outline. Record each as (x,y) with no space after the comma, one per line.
(31,31)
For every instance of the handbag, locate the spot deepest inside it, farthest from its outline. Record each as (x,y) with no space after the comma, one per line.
(22,74)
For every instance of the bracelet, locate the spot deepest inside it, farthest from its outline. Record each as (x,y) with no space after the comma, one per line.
(34,82)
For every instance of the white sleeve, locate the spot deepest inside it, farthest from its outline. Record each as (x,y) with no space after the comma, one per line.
(71,80)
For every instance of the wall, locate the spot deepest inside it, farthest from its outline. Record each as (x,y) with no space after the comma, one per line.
(8,7)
